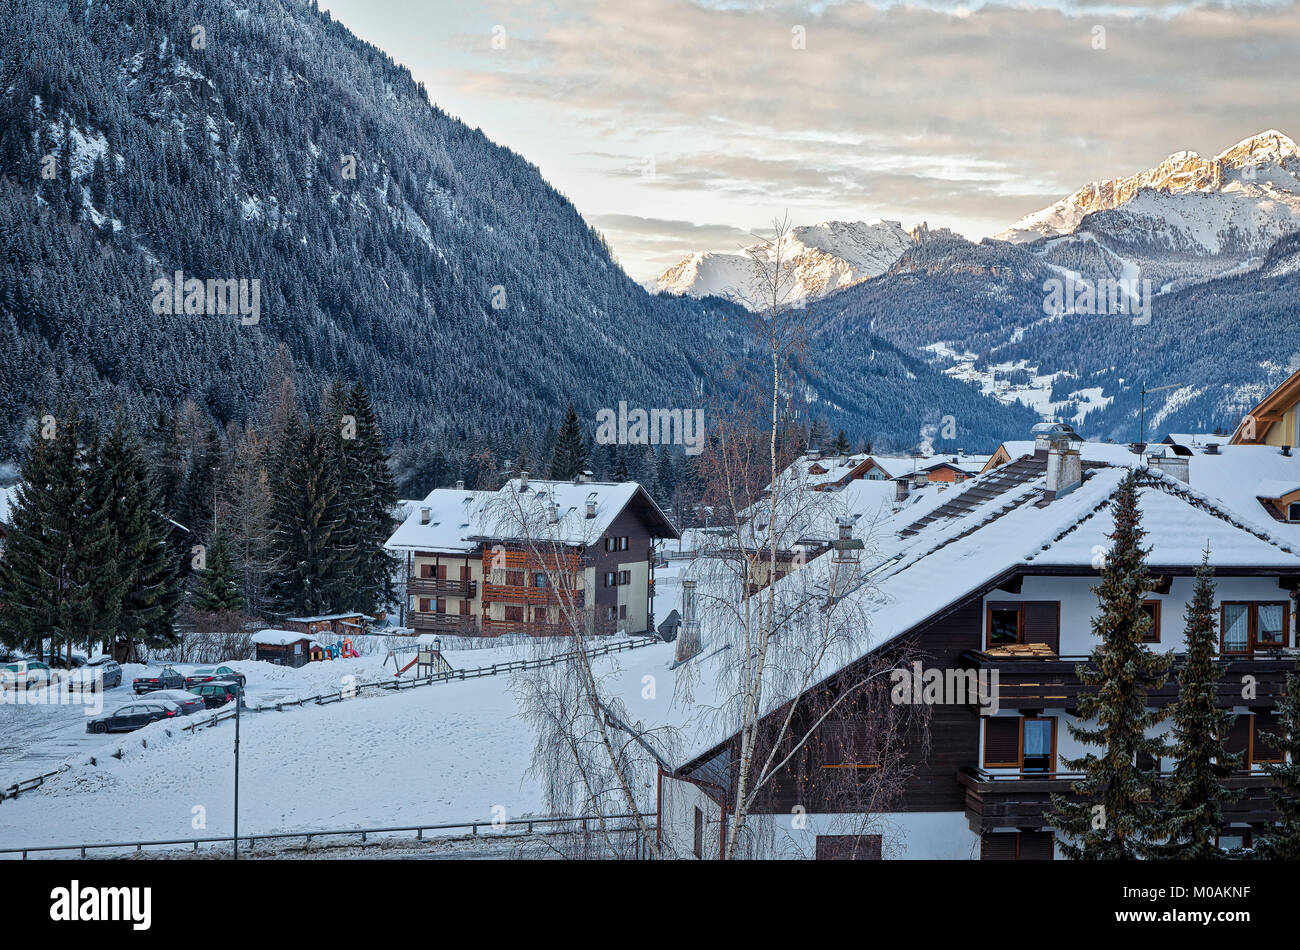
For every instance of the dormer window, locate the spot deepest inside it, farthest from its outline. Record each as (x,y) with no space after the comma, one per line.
(1293,511)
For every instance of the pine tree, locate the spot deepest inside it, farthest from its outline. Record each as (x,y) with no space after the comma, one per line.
(305,521)
(36,569)
(218,586)
(1118,814)
(841,444)
(143,545)
(1193,812)
(370,509)
(570,456)
(1282,840)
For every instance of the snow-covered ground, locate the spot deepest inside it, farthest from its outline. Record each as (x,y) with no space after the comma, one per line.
(435,754)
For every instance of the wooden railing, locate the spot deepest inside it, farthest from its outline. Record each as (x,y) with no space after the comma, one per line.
(532,628)
(426,621)
(542,596)
(1258,682)
(1025,801)
(441,587)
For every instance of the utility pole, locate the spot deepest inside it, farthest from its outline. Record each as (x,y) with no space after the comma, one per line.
(239,702)
(1142,424)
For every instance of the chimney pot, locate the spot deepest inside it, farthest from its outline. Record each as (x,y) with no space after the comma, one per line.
(523,480)
(425,515)
(460,484)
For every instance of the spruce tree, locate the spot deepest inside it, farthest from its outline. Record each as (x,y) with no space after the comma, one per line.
(35,572)
(841,444)
(570,456)
(305,521)
(1118,815)
(143,544)
(218,585)
(1282,839)
(1193,812)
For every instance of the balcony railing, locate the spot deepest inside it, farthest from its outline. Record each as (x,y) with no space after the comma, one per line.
(541,596)
(465,625)
(1055,684)
(1025,801)
(531,628)
(440,587)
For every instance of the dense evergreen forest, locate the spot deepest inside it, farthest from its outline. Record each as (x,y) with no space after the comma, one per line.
(390,242)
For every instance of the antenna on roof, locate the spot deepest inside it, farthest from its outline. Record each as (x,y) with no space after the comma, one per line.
(1142,414)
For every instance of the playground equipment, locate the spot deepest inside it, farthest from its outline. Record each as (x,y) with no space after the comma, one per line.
(332,651)
(427,661)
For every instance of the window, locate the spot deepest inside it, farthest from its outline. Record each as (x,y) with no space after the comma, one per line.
(625,577)
(442,605)
(699,832)
(539,615)
(426,570)
(622,543)
(848,847)
(1245,626)
(514,578)
(442,572)
(609,544)
(540,580)
(514,613)
(1030,621)
(622,611)
(464,572)
(464,608)
(1152,608)
(611,579)
(1261,750)
(1293,511)
(1018,846)
(1038,753)
(1024,743)
(611,613)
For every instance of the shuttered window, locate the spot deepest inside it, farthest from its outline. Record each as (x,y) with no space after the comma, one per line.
(1002,742)
(848,847)
(1018,846)
(1024,621)
(1261,750)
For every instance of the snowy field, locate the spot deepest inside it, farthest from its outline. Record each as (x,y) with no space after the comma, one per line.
(433,754)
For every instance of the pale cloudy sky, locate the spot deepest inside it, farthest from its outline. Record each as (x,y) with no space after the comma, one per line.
(680,125)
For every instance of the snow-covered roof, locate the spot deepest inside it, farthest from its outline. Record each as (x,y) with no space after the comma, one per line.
(279,638)
(459,521)
(320,617)
(1276,488)
(920,568)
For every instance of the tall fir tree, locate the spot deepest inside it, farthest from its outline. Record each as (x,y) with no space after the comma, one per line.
(841,444)
(36,571)
(218,584)
(1281,841)
(1195,793)
(569,458)
(305,520)
(1118,815)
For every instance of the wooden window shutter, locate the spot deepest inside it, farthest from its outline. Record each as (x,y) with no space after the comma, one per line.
(1043,623)
(1002,742)
(1238,740)
(998,847)
(1262,750)
(848,847)
(1037,846)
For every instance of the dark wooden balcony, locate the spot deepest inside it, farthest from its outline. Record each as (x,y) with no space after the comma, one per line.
(465,625)
(439,587)
(1025,801)
(1055,684)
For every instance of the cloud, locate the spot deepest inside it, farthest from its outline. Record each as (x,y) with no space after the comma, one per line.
(969,115)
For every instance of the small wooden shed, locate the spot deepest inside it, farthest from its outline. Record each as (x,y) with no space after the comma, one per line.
(285,647)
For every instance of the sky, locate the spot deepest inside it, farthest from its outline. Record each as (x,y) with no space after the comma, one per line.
(682,125)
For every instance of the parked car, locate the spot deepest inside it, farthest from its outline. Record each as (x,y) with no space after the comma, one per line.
(207,674)
(217,693)
(110,669)
(189,703)
(134,716)
(167,679)
(24,674)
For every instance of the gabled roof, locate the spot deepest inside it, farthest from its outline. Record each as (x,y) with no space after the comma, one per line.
(989,529)
(1269,411)
(460,521)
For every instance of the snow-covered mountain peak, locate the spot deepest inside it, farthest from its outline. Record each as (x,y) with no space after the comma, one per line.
(822,257)
(1242,199)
